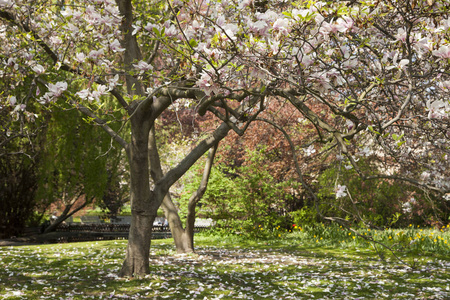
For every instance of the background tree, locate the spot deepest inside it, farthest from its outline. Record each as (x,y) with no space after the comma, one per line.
(22,138)
(73,170)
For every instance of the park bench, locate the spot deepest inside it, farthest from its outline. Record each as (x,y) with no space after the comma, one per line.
(121,220)
(90,220)
(69,220)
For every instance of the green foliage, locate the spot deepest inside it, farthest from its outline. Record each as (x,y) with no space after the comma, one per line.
(20,152)
(377,202)
(306,216)
(245,200)
(74,160)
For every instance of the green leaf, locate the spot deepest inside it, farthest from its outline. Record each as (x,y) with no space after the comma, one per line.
(193,43)
(397,137)
(373,130)
(240,68)
(156,31)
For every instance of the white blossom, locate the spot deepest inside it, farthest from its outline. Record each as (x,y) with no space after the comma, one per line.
(341,191)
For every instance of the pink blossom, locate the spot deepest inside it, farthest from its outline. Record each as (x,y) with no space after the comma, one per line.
(113,82)
(80,57)
(171,31)
(244,3)
(443,52)
(306,60)
(282,25)
(143,66)
(95,54)
(204,80)
(365,152)
(83,94)
(196,25)
(445,25)
(269,16)
(350,64)
(275,47)
(300,12)
(57,89)
(38,69)
(259,27)
(344,24)
(403,63)
(445,85)
(424,44)
(101,90)
(12,100)
(309,151)
(350,125)
(205,83)
(220,21)
(72,28)
(136,28)
(401,35)
(46,98)
(116,47)
(6,3)
(149,27)
(322,83)
(438,109)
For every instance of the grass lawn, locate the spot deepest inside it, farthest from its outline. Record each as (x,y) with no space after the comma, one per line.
(222,268)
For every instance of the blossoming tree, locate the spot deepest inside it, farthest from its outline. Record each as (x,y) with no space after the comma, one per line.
(380,67)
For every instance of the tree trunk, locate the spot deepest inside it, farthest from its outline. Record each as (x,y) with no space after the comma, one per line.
(144,202)
(184,237)
(65,214)
(138,249)
(170,210)
(183,242)
(197,196)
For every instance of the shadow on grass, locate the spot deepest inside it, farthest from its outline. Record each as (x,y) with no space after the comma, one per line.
(229,271)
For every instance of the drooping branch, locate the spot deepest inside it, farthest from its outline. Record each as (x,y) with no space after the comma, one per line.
(102,123)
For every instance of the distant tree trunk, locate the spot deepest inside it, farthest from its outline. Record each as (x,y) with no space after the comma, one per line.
(170,210)
(66,214)
(198,194)
(183,243)
(183,237)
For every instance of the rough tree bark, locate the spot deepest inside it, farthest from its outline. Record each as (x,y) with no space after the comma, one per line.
(143,204)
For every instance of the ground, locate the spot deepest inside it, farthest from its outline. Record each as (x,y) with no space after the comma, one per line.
(221,269)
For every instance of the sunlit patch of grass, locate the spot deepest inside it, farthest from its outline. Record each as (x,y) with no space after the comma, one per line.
(295,267)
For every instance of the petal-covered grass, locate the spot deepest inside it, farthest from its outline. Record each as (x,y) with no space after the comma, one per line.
(224,268)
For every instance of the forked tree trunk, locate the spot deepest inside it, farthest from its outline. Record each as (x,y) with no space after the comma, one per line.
(184,237)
